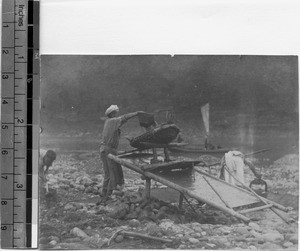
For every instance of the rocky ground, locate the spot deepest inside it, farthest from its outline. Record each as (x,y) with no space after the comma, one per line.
(70,218)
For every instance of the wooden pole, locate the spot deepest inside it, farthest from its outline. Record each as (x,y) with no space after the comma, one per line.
(154,159)
(148,188)
(178,188)
(180,201)
(245,155)
(144,236)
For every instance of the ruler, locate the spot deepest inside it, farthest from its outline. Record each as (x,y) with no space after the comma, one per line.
(19,123)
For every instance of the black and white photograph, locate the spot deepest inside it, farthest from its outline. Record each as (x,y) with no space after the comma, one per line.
(169,152)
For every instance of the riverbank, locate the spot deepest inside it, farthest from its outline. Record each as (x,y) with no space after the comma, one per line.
(70,219)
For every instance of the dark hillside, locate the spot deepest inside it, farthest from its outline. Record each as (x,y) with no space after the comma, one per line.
(90,83)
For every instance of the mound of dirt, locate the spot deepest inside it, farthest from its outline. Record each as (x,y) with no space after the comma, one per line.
(283,175)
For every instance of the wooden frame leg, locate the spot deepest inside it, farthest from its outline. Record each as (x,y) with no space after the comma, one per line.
(148,188)
(167,155)
(180,201)
(154,159)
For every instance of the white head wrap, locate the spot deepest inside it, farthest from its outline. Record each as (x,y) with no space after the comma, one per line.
(111,109)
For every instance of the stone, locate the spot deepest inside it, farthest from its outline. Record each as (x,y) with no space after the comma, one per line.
(132,207)
(89,190)
(153,229)
(156,205)
(134,223)
(144,214)
(255,234)
(273,236)
(211,245)
(72,240)
(69,207)
(160,215)
(270,246)
(55,238)
(182,246)
(53,243)
(205,227)
(217,231)
(251,247)
(118,211)
(196,227)
(105,240)
(226,230)
(164,208)
(260,241)
(86,181)
(64,186)
(242,231)
(44,240)
(78,232)
(97,236)
(287,244)
(88,239)
(119,238)
(193,235)
(81,188)
(254,226)
(294,239)
(78,206)
(198,235)
(193,240)
(72,246)
(221,240)
(130,216)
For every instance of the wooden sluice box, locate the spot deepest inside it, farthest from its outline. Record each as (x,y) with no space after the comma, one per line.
(217,193)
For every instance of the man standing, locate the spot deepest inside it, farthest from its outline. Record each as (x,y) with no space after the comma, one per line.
(113,173)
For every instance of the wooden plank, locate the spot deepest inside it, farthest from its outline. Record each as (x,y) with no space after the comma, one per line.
(255,209)
(178,188)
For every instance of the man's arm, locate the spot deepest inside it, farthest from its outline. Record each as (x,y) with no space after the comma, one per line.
(128,116)
(47,169)
(252,168)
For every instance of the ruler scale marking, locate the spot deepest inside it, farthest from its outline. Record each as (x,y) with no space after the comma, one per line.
(18,30)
